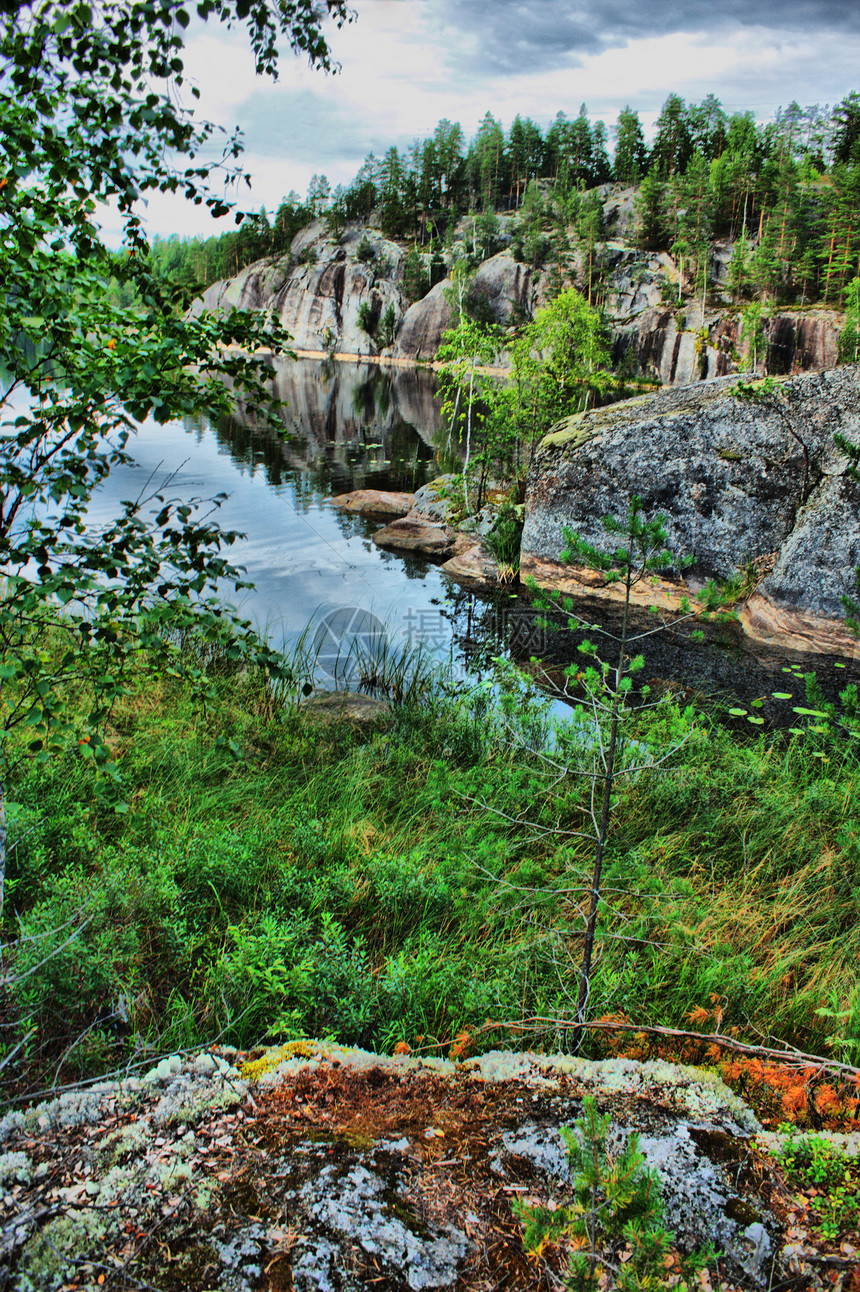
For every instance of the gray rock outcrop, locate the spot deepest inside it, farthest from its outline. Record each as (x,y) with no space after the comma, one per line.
(503,290)
(329,1167)
(423,325)
(740,483)
(318,290)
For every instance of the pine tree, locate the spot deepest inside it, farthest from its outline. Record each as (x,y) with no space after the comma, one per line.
(739,275)
(392,173)
(849,337)
(846,131)
(839,248)
(708,126)
(601,170)
(672,144)
(652,213)
(490,148)
(631,158)
(695,206)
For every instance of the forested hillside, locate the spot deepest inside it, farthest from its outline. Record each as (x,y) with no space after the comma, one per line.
(786,194)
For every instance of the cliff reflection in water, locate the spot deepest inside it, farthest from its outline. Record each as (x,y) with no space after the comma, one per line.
(346,426)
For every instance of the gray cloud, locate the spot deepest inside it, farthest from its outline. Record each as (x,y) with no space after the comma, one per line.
(303,126)
(520,36)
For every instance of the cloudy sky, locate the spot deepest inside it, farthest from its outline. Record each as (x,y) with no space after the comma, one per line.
(408,63)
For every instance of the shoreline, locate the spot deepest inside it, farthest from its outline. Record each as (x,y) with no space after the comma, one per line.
(377,360)
(398,361)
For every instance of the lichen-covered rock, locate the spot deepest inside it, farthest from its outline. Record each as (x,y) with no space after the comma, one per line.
(737,481)
(333,1168)
(432,499)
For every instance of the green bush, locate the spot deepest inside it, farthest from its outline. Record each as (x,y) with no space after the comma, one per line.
(365,252)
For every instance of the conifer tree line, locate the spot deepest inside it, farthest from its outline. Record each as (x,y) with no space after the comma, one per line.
(786,193)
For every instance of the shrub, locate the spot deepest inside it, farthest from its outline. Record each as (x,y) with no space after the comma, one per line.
(365,252)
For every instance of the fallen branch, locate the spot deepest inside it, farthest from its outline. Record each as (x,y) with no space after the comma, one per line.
(790,1057)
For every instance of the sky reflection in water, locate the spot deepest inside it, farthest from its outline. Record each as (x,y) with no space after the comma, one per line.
(348,426)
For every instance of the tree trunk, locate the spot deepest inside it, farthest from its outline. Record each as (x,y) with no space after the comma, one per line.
(468,440)
(605,807)
(2,845)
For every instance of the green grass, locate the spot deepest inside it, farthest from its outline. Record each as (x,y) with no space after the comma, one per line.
(416,880)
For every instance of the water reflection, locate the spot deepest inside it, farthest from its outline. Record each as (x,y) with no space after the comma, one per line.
(346,426)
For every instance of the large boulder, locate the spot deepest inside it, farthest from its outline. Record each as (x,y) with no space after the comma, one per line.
(328,286)
(739,483)
(423,537)
(423,325)
(504,289)
(374,502)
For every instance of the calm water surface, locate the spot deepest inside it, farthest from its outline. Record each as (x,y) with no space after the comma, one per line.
(347,426)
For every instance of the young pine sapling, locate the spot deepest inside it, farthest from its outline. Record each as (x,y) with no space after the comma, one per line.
(640,555)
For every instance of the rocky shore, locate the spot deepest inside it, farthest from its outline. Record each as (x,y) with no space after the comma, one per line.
(754,490)
(324,287)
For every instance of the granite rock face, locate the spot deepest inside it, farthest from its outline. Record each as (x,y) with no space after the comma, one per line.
(739,482)
(318,289)
(423,325)
(503,289)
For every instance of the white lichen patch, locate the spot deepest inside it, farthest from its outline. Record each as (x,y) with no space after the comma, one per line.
(124,1141)
(694,1091)
(15,1168)
(50,1256)
(189,1097)
(14,1123)
(135,1168)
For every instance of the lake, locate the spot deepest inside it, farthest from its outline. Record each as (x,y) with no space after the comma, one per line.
(354,425)
(347,426)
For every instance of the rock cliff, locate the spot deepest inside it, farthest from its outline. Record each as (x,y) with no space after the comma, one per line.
(743,485)
(318,290)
